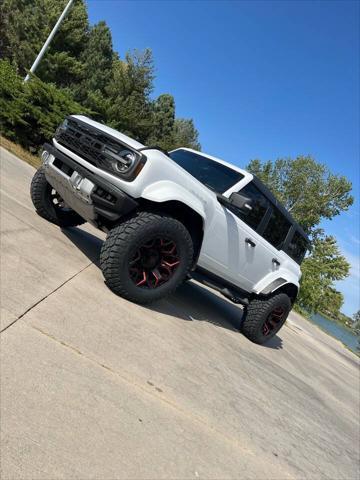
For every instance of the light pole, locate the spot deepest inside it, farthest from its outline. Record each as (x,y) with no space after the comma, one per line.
(50,37)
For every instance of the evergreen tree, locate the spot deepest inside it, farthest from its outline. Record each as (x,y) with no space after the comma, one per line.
(163,121)
(97,59)
(81,61)
(185,134)
(12,103)
(23,33)
(130,109)
(62,62)
(30,112)
(27,25)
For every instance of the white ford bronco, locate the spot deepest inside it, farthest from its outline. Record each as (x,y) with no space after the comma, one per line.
(173,216)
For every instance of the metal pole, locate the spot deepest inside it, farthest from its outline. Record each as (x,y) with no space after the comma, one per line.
(50,37)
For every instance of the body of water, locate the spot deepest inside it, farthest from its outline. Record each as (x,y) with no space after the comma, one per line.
(336,330)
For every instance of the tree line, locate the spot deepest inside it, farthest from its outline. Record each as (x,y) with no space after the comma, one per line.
(81,73)
(311,193)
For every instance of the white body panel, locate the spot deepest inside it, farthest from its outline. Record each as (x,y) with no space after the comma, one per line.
(224,251)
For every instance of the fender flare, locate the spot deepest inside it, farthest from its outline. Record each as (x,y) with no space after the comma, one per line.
(283,285)
(165,191)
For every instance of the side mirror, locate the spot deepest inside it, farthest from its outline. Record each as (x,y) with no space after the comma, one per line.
(241,202)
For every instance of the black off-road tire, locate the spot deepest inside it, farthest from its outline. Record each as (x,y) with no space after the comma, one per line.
(41,196)
(258,312)
(124,240)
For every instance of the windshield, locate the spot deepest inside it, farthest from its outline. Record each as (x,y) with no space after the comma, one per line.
(213,175)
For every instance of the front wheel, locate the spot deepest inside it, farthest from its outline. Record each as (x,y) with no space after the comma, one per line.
(146,257)
(265,316)
(49,204)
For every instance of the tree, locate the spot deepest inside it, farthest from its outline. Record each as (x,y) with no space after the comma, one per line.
(185,134)
(307,188)
(321,269)
(330,303)
(30,112)
(12,102)
(130,108)
(28,23)
(163,122)
(97,58)
(22,34)
(81,62)
(62,63)
(312,193)
(97,61)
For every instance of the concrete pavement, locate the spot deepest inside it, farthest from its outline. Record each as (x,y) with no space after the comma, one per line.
(94,387)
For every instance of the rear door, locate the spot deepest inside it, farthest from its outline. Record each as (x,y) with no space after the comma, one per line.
(257,257)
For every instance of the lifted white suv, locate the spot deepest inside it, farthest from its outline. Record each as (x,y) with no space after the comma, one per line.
(172,216)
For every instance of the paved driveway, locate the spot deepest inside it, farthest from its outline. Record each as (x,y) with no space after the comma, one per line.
(94,387)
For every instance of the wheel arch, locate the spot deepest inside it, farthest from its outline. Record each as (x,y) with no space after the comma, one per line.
(191,219)
(290,289)
(281,285)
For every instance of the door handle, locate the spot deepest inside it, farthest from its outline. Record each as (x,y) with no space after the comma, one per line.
(250,242)
(274,260)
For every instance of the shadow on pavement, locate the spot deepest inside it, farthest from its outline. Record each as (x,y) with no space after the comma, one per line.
(190,302)
(88,243)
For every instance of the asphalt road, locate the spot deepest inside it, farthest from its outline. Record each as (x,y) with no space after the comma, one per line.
(94,387)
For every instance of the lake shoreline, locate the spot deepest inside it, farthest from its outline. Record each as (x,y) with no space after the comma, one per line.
(351,347)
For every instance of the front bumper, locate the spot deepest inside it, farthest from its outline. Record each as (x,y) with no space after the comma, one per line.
(92,197)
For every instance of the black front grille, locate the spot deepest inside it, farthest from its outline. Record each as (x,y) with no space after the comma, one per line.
(88,142)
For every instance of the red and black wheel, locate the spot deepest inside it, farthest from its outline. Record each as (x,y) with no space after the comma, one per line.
(274,319)
(264,317)
(146,257)
(154,263)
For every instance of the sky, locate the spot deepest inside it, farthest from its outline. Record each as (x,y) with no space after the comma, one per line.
(261,79)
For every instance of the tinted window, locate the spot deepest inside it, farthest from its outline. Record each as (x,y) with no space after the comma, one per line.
(259,206)
(213,175)
(277,229)
(297,247)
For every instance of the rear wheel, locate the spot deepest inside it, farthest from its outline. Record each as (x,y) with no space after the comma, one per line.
(265,316)
(146,257)
(49,204)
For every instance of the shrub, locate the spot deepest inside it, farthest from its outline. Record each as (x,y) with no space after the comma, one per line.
(30,112)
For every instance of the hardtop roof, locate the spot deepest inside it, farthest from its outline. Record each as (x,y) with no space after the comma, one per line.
(260,185)
(271,197)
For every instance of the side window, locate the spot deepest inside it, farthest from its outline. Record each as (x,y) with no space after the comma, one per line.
(277,229)
(297,247)
(260,205)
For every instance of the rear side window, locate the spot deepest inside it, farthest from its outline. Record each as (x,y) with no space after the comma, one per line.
(260,204)
(277,229)
(297,247)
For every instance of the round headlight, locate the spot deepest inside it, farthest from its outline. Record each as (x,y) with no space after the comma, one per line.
(128,159)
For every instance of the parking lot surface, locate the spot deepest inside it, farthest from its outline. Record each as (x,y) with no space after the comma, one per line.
(95,387)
